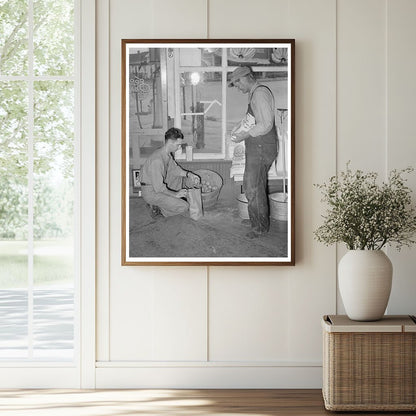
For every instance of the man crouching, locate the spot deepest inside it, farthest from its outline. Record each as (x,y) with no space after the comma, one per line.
(161,178)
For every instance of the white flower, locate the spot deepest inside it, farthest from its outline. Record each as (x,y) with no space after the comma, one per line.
(366,215)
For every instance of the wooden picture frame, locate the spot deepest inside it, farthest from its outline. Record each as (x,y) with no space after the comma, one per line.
(188,85)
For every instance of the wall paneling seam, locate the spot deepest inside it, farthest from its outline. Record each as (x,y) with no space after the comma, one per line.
(207,318)
(207,12)
(336,141)
(103,178)
(387,84)
(88,193)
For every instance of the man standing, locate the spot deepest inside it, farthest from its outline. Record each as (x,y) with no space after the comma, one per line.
(258,130)
(161,178)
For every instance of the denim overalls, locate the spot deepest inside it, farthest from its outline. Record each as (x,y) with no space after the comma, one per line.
(261,151)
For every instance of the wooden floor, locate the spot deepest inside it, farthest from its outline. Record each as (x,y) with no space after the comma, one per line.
(165,402)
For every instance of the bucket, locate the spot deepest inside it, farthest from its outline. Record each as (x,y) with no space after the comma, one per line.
(278,206)
(242,207)
(211,179)
(277,202)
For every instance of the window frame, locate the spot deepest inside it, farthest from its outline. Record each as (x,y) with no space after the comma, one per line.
(81,371)
(225,71)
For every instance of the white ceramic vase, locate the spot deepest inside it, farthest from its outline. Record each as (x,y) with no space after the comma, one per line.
(364,278)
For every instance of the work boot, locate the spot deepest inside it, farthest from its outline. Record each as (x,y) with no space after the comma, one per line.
(256,233)
(154,211)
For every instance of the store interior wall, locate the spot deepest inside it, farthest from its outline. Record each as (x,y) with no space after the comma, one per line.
(247,326)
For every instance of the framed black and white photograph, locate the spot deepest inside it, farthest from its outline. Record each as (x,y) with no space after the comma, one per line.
(208,134)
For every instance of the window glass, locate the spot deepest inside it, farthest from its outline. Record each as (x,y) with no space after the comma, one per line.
(53,193)
(37,136)
(53,37)
(237,102)
(13,131)
(53,321)
(13,219)
(201,110)
(13,161)
(145,90)
(13,306)
(146,111)
(189,84)
(54,128)
(53,206)
(200,57)
(13,37)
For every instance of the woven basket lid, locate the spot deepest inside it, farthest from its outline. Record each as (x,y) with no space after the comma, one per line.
(390,323)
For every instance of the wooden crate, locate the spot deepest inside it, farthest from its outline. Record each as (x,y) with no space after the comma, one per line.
(369,366)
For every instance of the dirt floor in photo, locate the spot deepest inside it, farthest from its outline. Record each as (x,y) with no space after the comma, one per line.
(219,233)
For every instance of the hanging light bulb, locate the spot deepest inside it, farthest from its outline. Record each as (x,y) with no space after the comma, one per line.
(195,78)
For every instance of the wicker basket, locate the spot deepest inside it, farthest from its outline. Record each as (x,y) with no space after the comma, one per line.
(369,366)
(209,199)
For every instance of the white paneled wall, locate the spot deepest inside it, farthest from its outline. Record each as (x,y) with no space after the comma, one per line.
(361,84)
(257,312)
(254,326)
(361,88)
(401,132)
(163,316)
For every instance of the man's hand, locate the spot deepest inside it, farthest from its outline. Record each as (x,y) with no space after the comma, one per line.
(235,129)
(239,137)
(194,179)
(181,193)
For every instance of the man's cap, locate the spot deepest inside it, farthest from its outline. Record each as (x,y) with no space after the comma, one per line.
(239,72)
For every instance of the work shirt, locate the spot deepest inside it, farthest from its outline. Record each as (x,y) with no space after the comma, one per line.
(158,168)
(262,104)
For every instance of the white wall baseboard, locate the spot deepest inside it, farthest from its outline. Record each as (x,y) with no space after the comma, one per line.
(26,377)
(209,377)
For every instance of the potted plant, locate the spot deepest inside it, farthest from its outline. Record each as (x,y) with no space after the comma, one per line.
(366,215)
